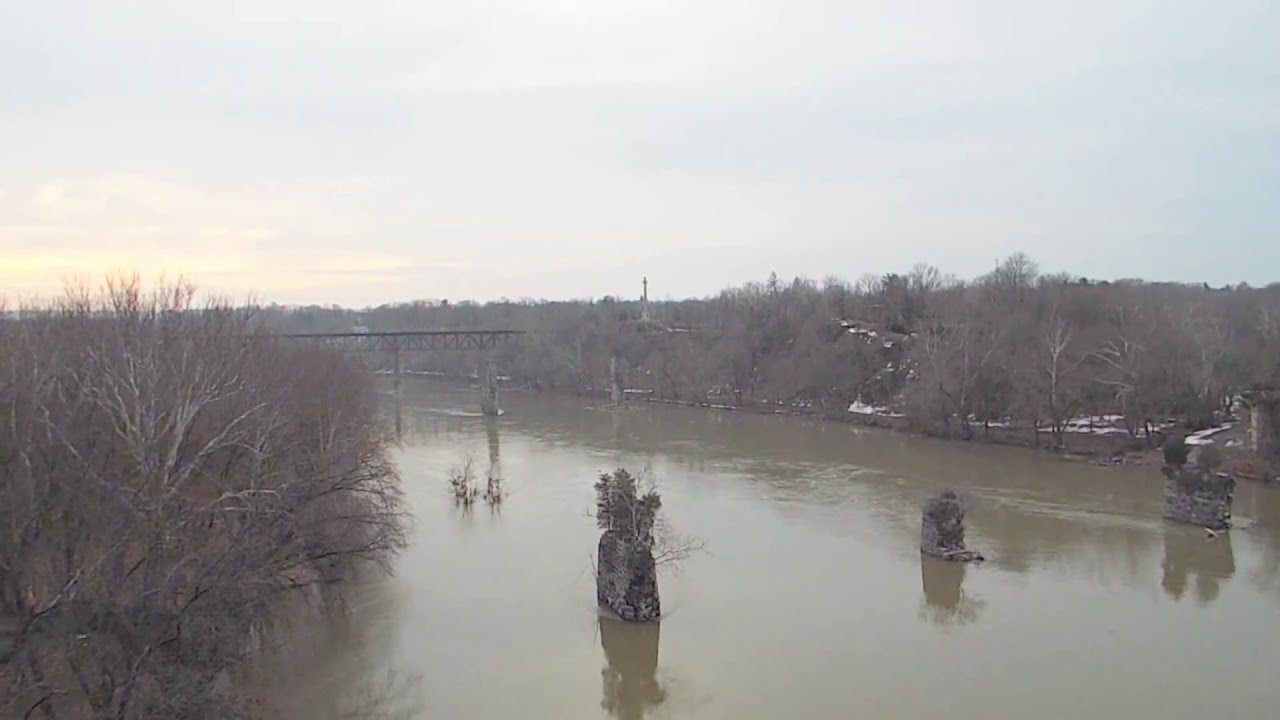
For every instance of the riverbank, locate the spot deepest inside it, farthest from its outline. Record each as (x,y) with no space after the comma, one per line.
(1100,440)
(1097,440)
(1101,447)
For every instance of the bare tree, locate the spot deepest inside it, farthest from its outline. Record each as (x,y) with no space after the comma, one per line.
(167,476)
(1061,395)
(955,359)
(462,482)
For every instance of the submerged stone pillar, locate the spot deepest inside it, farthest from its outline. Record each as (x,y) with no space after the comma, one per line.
(489,405)
(626,574)
(942,529)
(1198,496)
(616,396)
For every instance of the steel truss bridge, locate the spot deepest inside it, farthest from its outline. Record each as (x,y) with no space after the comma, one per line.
(410,340)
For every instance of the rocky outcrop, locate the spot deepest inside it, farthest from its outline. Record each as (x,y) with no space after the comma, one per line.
(942,529)
(626,574)
(1195,495)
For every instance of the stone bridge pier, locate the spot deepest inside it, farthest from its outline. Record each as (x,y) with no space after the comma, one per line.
(626,573)
(942,529)
(1199,496)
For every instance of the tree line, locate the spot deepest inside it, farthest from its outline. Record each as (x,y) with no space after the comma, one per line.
(1011,349)
(172,484)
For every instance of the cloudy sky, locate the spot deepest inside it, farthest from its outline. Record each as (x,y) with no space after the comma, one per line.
(362,152)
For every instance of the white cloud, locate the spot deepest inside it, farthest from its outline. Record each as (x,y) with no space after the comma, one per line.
(546,147)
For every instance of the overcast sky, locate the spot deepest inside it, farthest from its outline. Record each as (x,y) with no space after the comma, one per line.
(362,152)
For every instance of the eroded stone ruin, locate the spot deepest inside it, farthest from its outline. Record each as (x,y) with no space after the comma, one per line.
(942,529)
(626,575)
(1197,495)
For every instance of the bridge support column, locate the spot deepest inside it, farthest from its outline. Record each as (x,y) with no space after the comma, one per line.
(395,360)
(399,418)
(616,395)
(489,404)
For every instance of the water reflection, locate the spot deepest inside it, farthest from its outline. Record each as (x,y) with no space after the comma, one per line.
(1187,551)
(1073,548)
(332,664)
(495,459)
(1260,504)
(399,418)
(629,678)
(385,696)
(1035,510)
(945,601)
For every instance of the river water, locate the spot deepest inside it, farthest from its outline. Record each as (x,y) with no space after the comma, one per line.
(811,599)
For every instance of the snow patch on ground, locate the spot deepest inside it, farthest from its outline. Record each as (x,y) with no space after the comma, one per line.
(1093,425)
(1097,430)
(868,334)
(860,408)
(1203,437)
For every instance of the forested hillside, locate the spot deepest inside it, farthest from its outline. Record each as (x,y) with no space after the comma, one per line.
(1011,349)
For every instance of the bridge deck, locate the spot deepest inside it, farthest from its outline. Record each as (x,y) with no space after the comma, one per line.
(411,339)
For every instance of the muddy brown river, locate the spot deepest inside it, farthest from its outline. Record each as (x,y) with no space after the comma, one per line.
(810,600)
